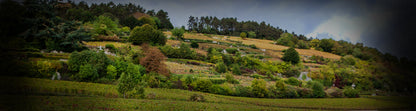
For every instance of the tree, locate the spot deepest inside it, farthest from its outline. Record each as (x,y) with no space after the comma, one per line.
(286,39)
(243,35)
(129,80)
(130,22)
(178,32)
(111,72)
(87,73)
(291,55)
(314,43)
(104,25)
(154,61)
(236,69)
(147,34)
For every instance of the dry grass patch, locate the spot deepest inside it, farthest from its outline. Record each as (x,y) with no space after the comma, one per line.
(179,68)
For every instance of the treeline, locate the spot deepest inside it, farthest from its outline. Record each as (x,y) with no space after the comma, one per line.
(230,26)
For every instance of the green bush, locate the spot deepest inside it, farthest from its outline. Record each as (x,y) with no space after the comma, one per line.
(230,79)
(87,73)
(351,93)
(220,67)
(194,44)
(111,72)
(236,69)
(243,35)
(243,91)
(203,85)
(147,34)
(291,93)
(259,88)
(257,76)
(197,98)
(218,80)
(231,50)
(305,92)
(178,32)
(291,55)
(252,46)
(251,34)
(293,81)
(110,46)
(280,85)
(336,93)
(317,89)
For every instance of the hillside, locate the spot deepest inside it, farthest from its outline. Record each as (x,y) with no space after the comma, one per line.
(42,94)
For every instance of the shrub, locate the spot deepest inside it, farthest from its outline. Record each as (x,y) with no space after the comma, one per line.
(178,32)
(291,93)
(291,55)
(280,85)
(232,50)
(236,69)
(251,34)
(257,76)
(336,92)
(259,88)
(351,93)
(197,98)
(305,92)
(147,34)
(153,61)
(293,81)
(87,73)
(318,89)
(194,44)
(203,85)
(110,46)
(111,72)
(218,80)
(220,67)
(252,46)
(230,79)
(243,91)
(243,35)
(303,45)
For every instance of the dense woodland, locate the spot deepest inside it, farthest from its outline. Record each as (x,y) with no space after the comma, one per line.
(33,26)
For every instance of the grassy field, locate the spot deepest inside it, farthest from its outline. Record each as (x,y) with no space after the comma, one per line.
(43,94)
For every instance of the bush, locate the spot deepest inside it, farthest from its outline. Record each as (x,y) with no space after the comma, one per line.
(203,85)
(230,79)
(292,73)
(291,93)
(243,35)
(293,81)
(197,98)
(257,76)
(252,46)
(220,67)
(318,89)
(232,50)
(291,55)
(110,46)
(147,34)
(111,72)
(259,88)
(335,92)
(236,69)
(305,92)
(87,73)
(178,32)
(153,61)
(194,44)
(218,80)
(280,85)
(243,91)
(251,34)
(351,93)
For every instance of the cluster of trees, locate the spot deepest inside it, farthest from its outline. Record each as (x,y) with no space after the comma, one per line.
(230,26)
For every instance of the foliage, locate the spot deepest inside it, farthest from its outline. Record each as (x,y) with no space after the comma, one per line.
(293,81)
(220,67)
(232,50)
(147,20)
(111,72)
(230,79)
(350,92)
(194,44)
(197,98)
(110,46)
(243,35)
(153,61)
(129,81)
(287,39)
(326,44)
(99,61)
(259,88)
(184,52)
(203,85)
(147,34)
(130,22)
(87,73)
(280,85)
(178,33)
(291,55)
(317,89)
(236,69)
(251,34)
(336,92)
(104,25)
(302,44)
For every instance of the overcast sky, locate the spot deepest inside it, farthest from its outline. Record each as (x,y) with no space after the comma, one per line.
(381,24)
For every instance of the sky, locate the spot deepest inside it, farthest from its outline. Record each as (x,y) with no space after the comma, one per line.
(385,25)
